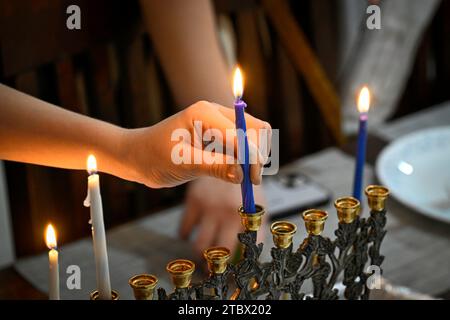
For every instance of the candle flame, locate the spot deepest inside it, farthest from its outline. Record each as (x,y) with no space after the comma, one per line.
(50,237)
(238,83)
(364,100)
(91,164)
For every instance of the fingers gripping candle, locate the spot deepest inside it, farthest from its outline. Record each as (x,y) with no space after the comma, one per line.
(94,201)
(248,201)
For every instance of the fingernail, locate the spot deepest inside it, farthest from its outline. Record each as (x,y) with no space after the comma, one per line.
(235,174)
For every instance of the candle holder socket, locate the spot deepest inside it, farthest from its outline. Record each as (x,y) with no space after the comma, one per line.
(181,271)
(143,286)
(347,208)
(314,221)
(252,221)
(95,295)
(217,259)
(283,232)
(376,197)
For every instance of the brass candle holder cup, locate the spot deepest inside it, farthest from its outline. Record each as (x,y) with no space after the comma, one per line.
(376,197)
(252,221)
(283,232)
(181,271)
(217,259)
(347,208)
(95,295)
(143,286)
(314,221)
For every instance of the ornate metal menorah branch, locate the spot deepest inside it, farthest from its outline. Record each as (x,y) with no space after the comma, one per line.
(318,258)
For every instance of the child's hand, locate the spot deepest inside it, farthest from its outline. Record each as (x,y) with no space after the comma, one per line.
(154,153)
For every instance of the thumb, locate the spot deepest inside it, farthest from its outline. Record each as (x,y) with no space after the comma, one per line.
(221,166)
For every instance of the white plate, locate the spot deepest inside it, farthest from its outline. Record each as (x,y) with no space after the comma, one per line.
(416,169)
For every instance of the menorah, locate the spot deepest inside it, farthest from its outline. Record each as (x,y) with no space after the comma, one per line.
(319,259)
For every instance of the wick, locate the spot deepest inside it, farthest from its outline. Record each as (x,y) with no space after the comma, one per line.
(239,102)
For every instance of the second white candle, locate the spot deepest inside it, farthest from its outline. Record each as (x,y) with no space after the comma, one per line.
(94,201)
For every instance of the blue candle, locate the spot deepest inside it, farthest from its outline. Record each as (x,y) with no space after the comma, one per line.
(363,107)
(248,201)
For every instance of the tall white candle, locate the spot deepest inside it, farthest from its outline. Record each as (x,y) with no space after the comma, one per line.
(53,283)
(94,201)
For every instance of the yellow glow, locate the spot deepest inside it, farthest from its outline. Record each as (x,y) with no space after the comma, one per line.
(364,100)
(238,83)
(50,237)
(91,164)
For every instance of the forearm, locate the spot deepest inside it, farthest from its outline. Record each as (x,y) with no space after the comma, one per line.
(183,33)
(34,131)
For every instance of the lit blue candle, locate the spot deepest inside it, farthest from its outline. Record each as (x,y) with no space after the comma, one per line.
(363,108)
(248,201)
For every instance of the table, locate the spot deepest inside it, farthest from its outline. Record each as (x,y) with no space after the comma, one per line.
(416,248)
